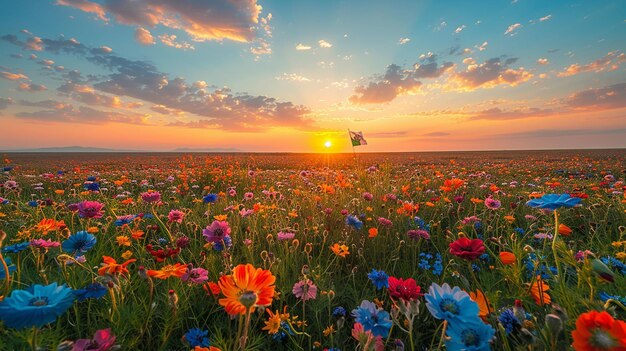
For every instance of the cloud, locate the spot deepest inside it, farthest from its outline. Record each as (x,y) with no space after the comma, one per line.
(482,47)
(302,47)
(143,81)
(518,113)
(201,20)
(170,40)
(4,102)
(545,18)
(460,29)
(610,62)
(86,115)
(397,81)
(293,77)
(144,37)
(403,41)
(555,133)
(440,26)
(610,97)
(542,61)
(31,87)
(395,134)
(166,110)
(106,49)
(436,134)
(512,29)
(324,44)
(87,95)
(13,76)
(491,73)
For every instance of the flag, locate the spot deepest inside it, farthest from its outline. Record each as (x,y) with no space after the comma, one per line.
(357,138)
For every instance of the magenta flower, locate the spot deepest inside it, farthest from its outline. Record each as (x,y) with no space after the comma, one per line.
(384,222)
(248,196)
(90,209)
(103,340)
(216,232)
(175,216)
(305,290)
(416,234)
(196,275)
(492,203)
(285,236)
(368,196)
(151,196)
(44,244)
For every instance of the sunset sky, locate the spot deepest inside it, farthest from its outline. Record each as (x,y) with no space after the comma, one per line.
(261,75)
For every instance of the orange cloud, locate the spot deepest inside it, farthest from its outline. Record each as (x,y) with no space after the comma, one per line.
(610,62)
(143,36)
(86,6)
(488,74)
(12,76)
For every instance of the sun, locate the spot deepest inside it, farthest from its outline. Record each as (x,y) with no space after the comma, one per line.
(328,144)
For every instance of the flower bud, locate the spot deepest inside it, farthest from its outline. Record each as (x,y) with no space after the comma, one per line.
(554,323)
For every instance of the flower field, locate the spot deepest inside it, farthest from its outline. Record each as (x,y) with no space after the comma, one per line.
(467,251)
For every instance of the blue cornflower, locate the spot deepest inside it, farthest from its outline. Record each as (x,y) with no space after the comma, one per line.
(554,201)
(354,222)
(33,203)
(472,335)
(379,278)
(532,269)
(35,307)
(373,319)
(614,263)
(339,312)
(91,186)
(121,220)
(421,224)
(451,304)
(438,266)
(209,198)
(217,246)
(91,179)
(7,169)
(197,337)
(508,320)
(10,265)
(15,248)
(91,291)
(604,296)
(519,231)
(281,334)
(79,243)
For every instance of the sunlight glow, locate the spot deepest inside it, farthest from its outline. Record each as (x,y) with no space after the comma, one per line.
(328,144)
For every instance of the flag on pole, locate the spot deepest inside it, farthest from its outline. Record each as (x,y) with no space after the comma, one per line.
(357,138)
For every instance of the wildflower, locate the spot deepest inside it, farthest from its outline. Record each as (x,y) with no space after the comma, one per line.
(44,244)
(507,258)
(103,340)
(472,335)
(564,230)
(451,304)
(406,290)
(379,278)
(509,321)
(372,232)
(91,291)
(553,201)
(175,270)
(196,275)
(90,209)
(417,234)
(385,222)
(305,290)
(216,232)
(175,216)
(483,304)
(340,250)
(272,325)
(599,331)
(538,290)
(122,240)
(79,243)
(110,266)
(285,236)
(12,268)
(373,319)
(354,222)
(35,307)
(492,203)
(151,196)
(329,330)
(15,248)
(467,249)
(339,312)
(246,288)
(367,196)
(197,337)
(122,220)
(209,198)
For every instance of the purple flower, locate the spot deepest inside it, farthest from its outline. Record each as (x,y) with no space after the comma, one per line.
(492,203)
(196,275)
(384,222)
(368,196)
(102,340)
(90,209)
(151,196)
(216,232)
(417,234)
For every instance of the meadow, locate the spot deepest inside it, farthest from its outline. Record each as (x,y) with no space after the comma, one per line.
(511,250)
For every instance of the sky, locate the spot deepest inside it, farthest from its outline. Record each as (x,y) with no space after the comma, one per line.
(290,76)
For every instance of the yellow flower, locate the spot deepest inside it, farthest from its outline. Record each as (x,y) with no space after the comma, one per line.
(220,217)
(329,330)
(272,324)
(93,230)
(127,254)
(123,240)
(621,256)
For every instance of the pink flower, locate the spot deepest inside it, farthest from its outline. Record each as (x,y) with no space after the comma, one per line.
(285,236)
(492,203)
(90,209)
(44,244)
(175,216)
(216,232)
(103,340)
(248,196)
(196,275)
(419,233)
(368,196)
(232,192)
(151,196)
(305,290)
(385,222)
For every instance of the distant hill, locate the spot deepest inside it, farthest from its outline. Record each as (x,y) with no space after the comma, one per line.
(71,149)
(207,149)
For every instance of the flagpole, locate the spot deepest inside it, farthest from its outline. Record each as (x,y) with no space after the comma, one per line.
(351,143)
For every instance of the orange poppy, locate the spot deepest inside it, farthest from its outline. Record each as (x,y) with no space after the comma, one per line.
(175,270)
(539,292)
(246,288)
(565,230)
(507,258)
(212,288)
(599,331)
(340,250)
(210,348)
(483,304)
(110,266)
(373,232)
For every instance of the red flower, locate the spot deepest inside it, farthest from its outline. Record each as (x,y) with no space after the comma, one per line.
(599,331)
(467,249)
(406,290)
